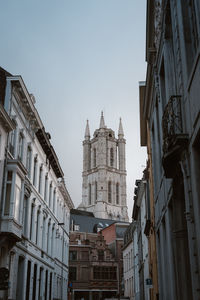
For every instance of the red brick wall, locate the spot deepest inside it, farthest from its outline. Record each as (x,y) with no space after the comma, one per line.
(109,233)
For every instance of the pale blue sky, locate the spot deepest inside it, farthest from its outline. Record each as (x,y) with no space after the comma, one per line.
(79,57)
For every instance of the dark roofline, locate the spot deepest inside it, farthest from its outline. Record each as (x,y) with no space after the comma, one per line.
(49,150)
(81,212)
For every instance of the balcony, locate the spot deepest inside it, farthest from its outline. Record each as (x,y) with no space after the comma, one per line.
(174,137)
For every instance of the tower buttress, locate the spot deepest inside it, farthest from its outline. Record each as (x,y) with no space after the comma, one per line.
(121,148)
(86,148)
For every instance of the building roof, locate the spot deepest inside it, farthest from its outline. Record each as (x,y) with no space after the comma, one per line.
(87,222)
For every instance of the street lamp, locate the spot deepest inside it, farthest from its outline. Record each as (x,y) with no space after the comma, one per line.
(61,224)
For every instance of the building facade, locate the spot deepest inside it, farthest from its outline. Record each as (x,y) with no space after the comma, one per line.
(35,203)
(128,262)
(104,173)
(170,114)
(114,237)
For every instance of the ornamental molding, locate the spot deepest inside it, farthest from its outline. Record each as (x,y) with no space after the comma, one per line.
(157,21)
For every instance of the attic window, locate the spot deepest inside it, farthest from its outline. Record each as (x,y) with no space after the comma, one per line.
(76,227)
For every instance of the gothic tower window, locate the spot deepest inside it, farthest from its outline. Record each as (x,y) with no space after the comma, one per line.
(90,195)
(95,191)
(94,157)
(117,193)
(109,192)
(111,157)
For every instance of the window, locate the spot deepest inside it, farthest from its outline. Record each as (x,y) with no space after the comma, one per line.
(72,273)
(100,255)
(50,194)
(20,146)
(35,170)
(85,255)
(18,184)
(109,192)
(52,240)
(54,200)
(111,157)
(37,227)
(105,273)
(40,179)
(25,215)
(90,194)
(28,160)
(84,273)
(76,227)
(48,236)
(12,142)
(45,187)
(95,191)
(31,224)
(94,157)
(8,193)
(72,255)
(117,193)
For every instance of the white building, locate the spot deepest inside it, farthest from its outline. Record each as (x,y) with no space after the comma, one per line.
(104,173)
(35,205)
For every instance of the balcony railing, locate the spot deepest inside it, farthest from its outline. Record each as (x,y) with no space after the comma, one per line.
(174,137)
(172,122)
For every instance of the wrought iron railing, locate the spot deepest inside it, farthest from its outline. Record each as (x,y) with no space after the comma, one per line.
(171,122)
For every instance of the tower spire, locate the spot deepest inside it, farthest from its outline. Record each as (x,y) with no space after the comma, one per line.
(120,131)
(102,123)
(87,131)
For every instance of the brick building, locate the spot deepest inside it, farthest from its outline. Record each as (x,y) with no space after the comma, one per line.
(95,261)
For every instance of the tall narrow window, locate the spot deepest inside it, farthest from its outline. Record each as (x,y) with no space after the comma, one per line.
(20,146)
(40,180)
(12,142)
(31,224)
(94,157)
(37,227)
(50,195)
(95,191)
(28,160)
(25,215)
(8,193)
(18,184)
(45,187)
(117,193)
(48,237)
(43,233)
(54,200)
(35,170)
(111,157)
(52,240)
(90,194)
(109,192)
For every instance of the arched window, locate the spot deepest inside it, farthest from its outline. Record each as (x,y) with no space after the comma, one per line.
(117,193)
(109,192)
(89,194)
(111,157)
(94,158)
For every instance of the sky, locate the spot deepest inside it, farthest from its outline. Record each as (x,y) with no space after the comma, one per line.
(79,57)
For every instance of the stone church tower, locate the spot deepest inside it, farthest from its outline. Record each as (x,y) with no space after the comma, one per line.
(104,173)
